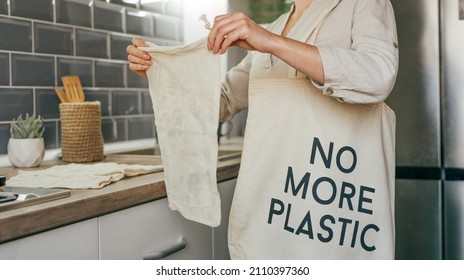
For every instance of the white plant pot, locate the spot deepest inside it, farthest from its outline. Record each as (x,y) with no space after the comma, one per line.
(26,152)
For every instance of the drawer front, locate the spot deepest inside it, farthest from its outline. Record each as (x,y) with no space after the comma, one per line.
(153,230)
(74,242)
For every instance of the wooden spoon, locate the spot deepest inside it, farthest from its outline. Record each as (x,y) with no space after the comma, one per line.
(61,94)
(73,88)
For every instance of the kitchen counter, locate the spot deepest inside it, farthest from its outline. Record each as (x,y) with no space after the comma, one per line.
(85,204)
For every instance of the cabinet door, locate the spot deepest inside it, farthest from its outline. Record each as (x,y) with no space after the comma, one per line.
(226,191)
(153,229)
(74,242)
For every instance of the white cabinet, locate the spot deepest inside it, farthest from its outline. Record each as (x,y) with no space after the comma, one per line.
(73,242)
(152,229)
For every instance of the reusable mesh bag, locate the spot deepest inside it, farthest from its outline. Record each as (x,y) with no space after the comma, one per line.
(81,137)
(185,89)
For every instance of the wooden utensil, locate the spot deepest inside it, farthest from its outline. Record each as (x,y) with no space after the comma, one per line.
(73,88)
(61,94)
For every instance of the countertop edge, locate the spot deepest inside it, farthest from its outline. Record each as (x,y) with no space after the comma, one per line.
(87,204)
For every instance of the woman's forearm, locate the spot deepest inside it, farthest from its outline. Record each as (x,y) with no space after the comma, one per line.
(301,56)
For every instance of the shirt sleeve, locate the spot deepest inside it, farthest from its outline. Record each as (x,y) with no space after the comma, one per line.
(234,89)
(366,73)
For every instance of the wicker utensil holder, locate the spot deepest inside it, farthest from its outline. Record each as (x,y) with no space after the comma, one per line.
(81,137)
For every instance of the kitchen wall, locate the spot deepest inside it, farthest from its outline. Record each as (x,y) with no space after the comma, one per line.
(42,40)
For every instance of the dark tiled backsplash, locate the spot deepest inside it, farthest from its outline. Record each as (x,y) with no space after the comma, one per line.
(47,104)
(15,101)
(114,129)
(53,39)
(72,66)
(4,69)
(4,130)
(74,12)
(140,24)
(32,70)
(118,46)
(15,34)
(126,103)
(37,9)
(140,126)
(109,74)
(3,7)
(92,44)
(41,41)
(109,18)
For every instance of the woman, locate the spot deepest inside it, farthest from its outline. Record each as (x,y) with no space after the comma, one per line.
(314,67)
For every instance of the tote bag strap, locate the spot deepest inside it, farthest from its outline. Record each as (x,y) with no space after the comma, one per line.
(311,34)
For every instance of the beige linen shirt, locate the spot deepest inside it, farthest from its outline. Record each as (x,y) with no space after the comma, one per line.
(358,46)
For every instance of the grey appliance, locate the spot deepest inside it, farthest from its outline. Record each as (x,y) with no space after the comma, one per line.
(428,99)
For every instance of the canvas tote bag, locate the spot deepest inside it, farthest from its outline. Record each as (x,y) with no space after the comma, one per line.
(185,88)
(317,175)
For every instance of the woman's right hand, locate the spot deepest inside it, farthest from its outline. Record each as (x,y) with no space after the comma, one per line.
(139,61)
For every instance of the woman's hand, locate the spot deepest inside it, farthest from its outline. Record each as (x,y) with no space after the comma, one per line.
(236,29)
(139,61)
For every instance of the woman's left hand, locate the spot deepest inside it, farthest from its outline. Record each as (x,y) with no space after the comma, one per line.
(236,29)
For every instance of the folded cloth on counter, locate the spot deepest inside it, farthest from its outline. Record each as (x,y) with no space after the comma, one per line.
(185,87)
(79,176)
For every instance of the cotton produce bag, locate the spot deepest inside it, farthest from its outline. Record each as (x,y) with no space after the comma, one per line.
(317,175)
(184,85)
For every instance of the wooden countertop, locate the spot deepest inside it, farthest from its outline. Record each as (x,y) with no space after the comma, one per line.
(86,204)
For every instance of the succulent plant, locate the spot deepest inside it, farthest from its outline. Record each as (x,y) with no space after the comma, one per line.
(29,127)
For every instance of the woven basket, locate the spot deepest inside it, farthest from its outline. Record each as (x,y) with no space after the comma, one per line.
(81,137)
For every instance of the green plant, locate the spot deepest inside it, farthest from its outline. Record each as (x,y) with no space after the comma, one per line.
(29,127)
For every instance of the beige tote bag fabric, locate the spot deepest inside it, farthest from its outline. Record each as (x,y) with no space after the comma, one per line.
(185,87)
(317,176)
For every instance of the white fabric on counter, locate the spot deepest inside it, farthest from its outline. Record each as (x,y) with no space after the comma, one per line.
(79,176)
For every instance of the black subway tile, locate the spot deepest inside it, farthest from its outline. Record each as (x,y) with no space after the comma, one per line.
(100,95)
(119,47)
(135,81)
(50,135)
(92,44)
(147,105)
(29,70)
(79,67)
(47,104)
(141,127)
(113,130)
(108,74)
(4,69)
(15,102)
(15,34)
(108,17)
(125,103)
(76,12)
(4,137)
(3,7)
(36,9)
(139,23)
(53,39)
